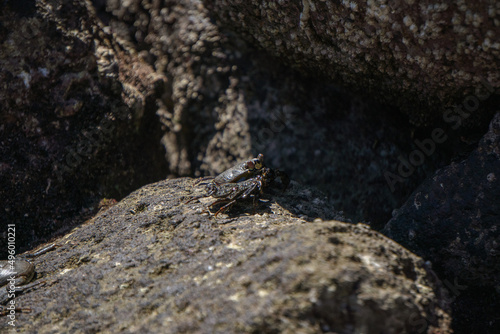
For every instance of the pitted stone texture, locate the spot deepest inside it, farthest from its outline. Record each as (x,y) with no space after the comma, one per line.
(74,109)
(422,57)
(152,263)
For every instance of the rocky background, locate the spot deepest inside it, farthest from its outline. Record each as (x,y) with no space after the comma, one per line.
(367,102)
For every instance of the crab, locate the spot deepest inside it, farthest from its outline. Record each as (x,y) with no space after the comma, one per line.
(229,192)
(239,172)
(15,275)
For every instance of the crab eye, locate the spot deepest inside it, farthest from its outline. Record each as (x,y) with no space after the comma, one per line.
(259,161)
(250,165)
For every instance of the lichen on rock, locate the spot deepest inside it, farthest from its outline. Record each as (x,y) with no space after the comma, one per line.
(420,57)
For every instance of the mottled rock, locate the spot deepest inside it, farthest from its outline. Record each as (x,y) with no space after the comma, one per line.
(423,57)
(452,219)
(75,105)
(152,263)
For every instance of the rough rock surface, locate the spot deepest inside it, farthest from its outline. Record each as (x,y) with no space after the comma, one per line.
(453,220)
(152,263)
(70,98)
(421,56)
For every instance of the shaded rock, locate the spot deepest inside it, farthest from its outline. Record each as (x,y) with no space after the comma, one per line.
(75,106)
(154,264)
(422,57)
(206,115)
(452,219)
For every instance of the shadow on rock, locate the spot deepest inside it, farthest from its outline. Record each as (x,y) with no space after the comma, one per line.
(452,220)
(295,201)
(152,263)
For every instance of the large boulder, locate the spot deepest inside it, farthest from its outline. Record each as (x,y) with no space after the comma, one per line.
(152,263)
(422,57)
(75,108)
(452,219)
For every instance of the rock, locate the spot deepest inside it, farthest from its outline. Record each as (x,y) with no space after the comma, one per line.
(152,263)
(452,220)
(452,217)
(71,96)
(421,57)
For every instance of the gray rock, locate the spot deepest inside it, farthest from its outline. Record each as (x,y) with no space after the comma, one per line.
(423,57)
(154,264)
